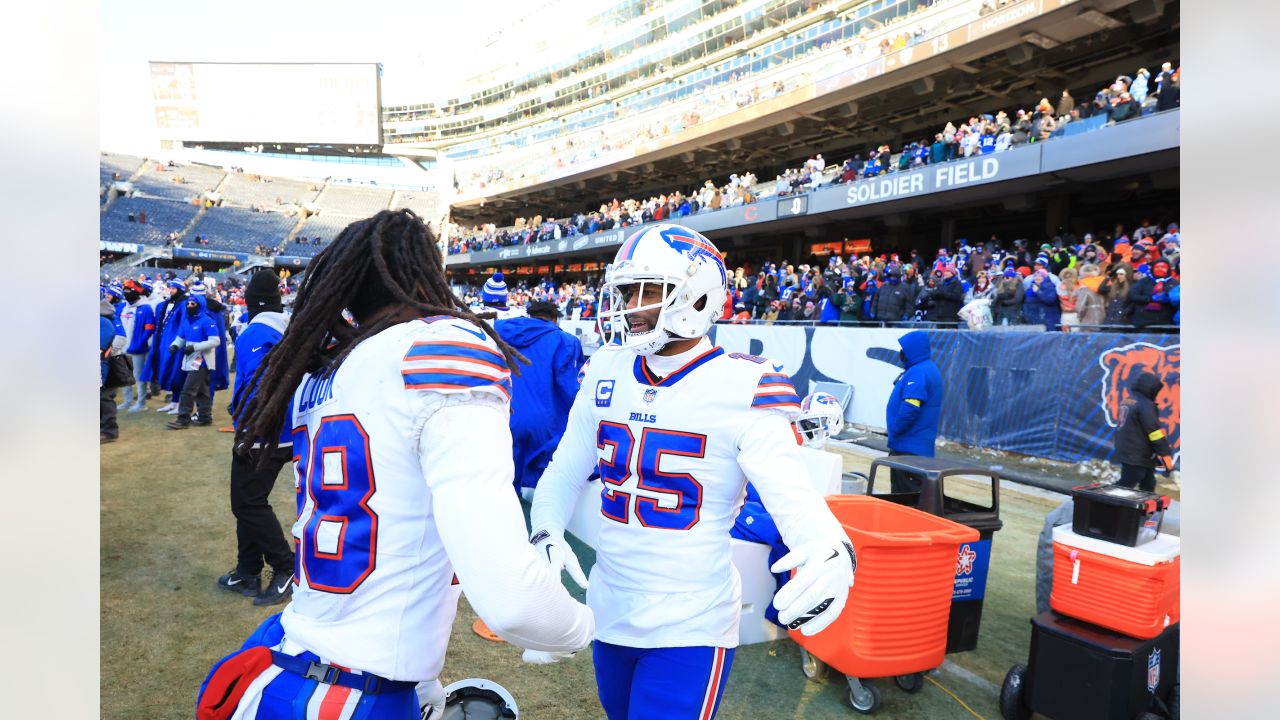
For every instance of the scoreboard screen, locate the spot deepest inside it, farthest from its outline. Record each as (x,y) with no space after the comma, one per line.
(337,103)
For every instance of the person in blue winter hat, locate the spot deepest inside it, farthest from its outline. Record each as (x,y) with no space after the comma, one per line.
(494,297)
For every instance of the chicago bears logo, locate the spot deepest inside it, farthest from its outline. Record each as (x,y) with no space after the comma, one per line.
(1119,368)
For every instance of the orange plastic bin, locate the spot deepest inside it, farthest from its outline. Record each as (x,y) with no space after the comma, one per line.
(895,621)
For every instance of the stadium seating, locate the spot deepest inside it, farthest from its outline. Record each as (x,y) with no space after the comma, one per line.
(162,183)
(426,205)
(125,165)
(326,227)
(163,217)
(240,230)
(241,190)
(353,202)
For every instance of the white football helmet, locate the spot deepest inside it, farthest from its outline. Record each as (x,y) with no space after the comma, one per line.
(821,416)
(694,283)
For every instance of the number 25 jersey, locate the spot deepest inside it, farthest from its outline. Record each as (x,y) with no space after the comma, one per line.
(674,455)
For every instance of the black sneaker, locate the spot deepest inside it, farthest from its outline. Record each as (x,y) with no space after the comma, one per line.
(202,423)
(236,581)
(178,425)
(277,590)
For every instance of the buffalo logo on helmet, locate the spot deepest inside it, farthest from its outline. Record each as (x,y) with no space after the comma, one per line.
(694,247)
(1122,365)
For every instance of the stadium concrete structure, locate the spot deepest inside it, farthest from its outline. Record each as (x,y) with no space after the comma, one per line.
(653,97)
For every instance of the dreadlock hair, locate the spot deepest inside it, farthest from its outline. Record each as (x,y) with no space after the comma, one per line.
(374,267)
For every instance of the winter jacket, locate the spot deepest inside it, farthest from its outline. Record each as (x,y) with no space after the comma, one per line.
(916,400)
(1175,296)
(1006,307)
(1141,438)
(252,345)
(110,338)
(198,339)
(542,394)
(893,303)
(164,366)
(1041,307)
(1149,298)
(1089,306)
(139,322)
(948,298)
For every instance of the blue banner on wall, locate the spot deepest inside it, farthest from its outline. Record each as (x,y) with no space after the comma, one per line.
(1052,395)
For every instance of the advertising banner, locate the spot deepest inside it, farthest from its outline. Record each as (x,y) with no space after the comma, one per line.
(1052,395)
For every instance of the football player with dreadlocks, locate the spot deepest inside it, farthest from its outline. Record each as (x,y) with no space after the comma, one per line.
(676,427)
(401,503)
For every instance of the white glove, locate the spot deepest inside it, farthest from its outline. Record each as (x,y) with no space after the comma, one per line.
(813,598)
(556,552)
(543,657)
(430,699)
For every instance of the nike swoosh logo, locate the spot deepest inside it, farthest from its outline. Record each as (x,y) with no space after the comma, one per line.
(256,349)
(234,582)
(474,331)
(834,554)
(282,587)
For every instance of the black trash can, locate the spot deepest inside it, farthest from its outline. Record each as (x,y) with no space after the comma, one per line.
(1080,671)
(921,483)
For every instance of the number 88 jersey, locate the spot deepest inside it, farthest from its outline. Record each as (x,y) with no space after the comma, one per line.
(667,451)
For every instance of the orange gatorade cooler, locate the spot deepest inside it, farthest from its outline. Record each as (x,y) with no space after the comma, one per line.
(1130,590)
(895,621)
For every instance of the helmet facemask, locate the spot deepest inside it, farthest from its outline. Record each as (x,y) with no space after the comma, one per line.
(616,318)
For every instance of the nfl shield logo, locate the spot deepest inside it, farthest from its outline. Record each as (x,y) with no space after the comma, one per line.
(1153,670)
(650,395)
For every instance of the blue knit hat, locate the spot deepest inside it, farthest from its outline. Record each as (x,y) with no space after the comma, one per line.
(198,289)
(494,291)
(177,285)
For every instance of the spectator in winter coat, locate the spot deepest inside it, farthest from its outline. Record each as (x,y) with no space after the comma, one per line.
(1040,304)
(1175,296)
(948,299)
(1006,306)
(259,540)
(1140,442)
(111,341)
(1089,304)
(139,322)
(1115,296)
(543,393)
(915,404)
(982,289)
(1067,298)
(1149,296)
(196,344)
(893,302)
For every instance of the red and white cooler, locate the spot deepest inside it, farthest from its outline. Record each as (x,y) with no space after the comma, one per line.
(1131,590)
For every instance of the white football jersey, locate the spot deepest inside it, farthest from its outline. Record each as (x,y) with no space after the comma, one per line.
(375,589)
(674,456)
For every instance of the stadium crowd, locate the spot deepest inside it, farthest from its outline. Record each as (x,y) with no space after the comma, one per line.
(1117,281)
(1125,98)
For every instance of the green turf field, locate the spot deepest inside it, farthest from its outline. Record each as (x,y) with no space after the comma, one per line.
(167,533)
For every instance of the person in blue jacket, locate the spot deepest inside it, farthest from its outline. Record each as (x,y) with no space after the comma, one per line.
(1040,305)
(1175,297)
(196,344)
(219,375)
(914,406)
(164,366)
(139,322)
(259,539)
(543,392)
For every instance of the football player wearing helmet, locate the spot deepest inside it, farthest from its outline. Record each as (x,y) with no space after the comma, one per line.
(821,416)
(676,427)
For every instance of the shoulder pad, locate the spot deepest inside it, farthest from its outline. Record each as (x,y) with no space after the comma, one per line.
(452,355)
(774,390)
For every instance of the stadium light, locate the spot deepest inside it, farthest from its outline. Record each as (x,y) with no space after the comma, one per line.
(1101,19)
(1040,41)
